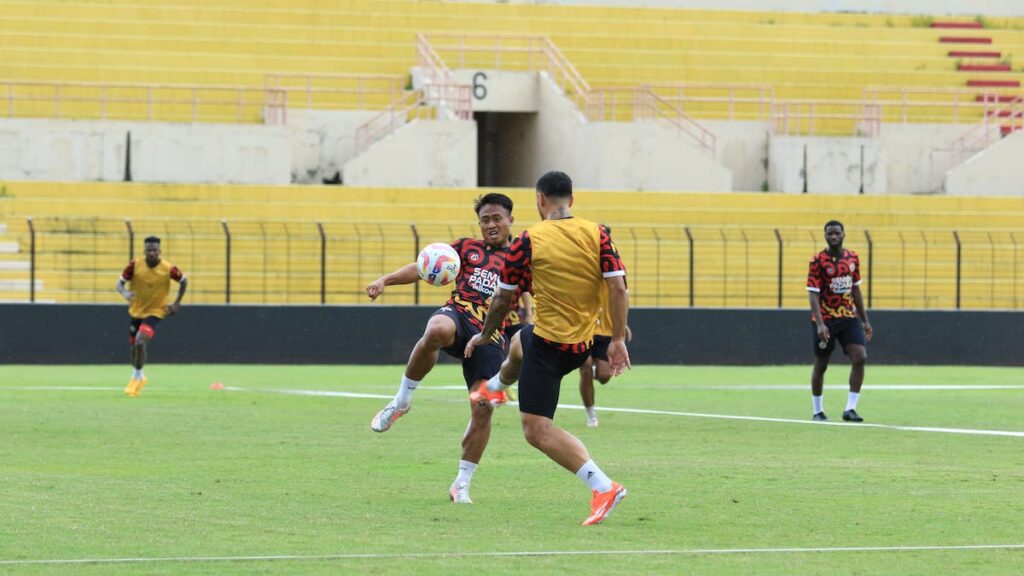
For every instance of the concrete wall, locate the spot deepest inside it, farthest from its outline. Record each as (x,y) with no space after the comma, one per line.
(742,147)
(825,165)
(429,153)
(160,151)
(919,155)
(322,141)
(500,90)
(613,155)
(996,171)
(646,155)
(92,334)
(550,135)
(928,7)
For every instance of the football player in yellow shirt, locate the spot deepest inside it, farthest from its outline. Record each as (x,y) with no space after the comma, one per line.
(566,263)
(145,284)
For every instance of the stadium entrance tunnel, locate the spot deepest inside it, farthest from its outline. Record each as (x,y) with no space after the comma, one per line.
(505,147)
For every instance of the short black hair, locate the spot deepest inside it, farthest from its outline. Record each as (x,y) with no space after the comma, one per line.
(152,240)
(492,198)
(835,223)
(555,184)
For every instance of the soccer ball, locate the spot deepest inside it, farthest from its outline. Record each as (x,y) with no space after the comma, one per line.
(438,264)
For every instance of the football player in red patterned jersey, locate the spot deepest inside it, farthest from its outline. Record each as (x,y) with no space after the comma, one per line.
(451,326)
(838,314)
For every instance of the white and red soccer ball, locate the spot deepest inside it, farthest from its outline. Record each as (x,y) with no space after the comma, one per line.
(438,264)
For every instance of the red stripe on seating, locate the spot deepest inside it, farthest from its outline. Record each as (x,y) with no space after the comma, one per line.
(965,40)
(995,83)
(984,68)
(956,25)
(974,54)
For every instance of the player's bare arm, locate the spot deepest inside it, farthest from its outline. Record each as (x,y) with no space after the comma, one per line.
(405,275)
(526,303)
(123,289)
(176,306)
(618,305)
(815,300)
(496,312)
(862,311)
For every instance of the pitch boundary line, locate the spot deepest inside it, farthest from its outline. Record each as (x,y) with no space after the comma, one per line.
(939,430)
(1009,433)
(514,554)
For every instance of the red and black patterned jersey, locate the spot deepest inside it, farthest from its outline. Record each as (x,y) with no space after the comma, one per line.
(564,264)
(478,279)
(834,279)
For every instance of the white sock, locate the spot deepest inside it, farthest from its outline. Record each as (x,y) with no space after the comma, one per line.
(466,470)
(591,413)
(495,384)
(137,374)
(851,401)
(817,404)
(593,476)
(404,396)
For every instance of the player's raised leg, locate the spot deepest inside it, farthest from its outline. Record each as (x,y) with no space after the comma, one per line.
(587,391)
(509,373)
(439,333)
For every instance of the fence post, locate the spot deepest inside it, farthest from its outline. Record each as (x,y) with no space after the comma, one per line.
(32,261)
(689,238)
(957,238)
(871,261)
(657,266)
(415,258)
(227,261)
(778,238)
(131,239)
(323,263)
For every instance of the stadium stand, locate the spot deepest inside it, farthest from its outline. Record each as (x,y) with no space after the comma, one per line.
(276,245)
(189,60)
(921,73)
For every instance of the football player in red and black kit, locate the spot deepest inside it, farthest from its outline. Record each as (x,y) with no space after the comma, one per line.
(837,313)
(451,327)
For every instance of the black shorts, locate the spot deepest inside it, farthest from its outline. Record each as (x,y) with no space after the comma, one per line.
(511,331)
(599,351)
(540,378)
(486,360)
(137,323)
(844,330)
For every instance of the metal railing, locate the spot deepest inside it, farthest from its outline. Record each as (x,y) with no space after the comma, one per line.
(148,102)
(642,103)
(338,91)
(539,53)
(1001,115)
(938,105)
(240,262)
(815,118)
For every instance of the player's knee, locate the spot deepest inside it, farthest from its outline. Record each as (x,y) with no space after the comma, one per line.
(604,372)
(439,332)
(820,366)
(859,358)
(144,335)
(481,414)
(535,430)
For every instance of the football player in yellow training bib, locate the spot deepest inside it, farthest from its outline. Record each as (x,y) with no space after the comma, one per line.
(145,284)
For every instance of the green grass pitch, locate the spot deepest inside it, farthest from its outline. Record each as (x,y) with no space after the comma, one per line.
(188,472)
